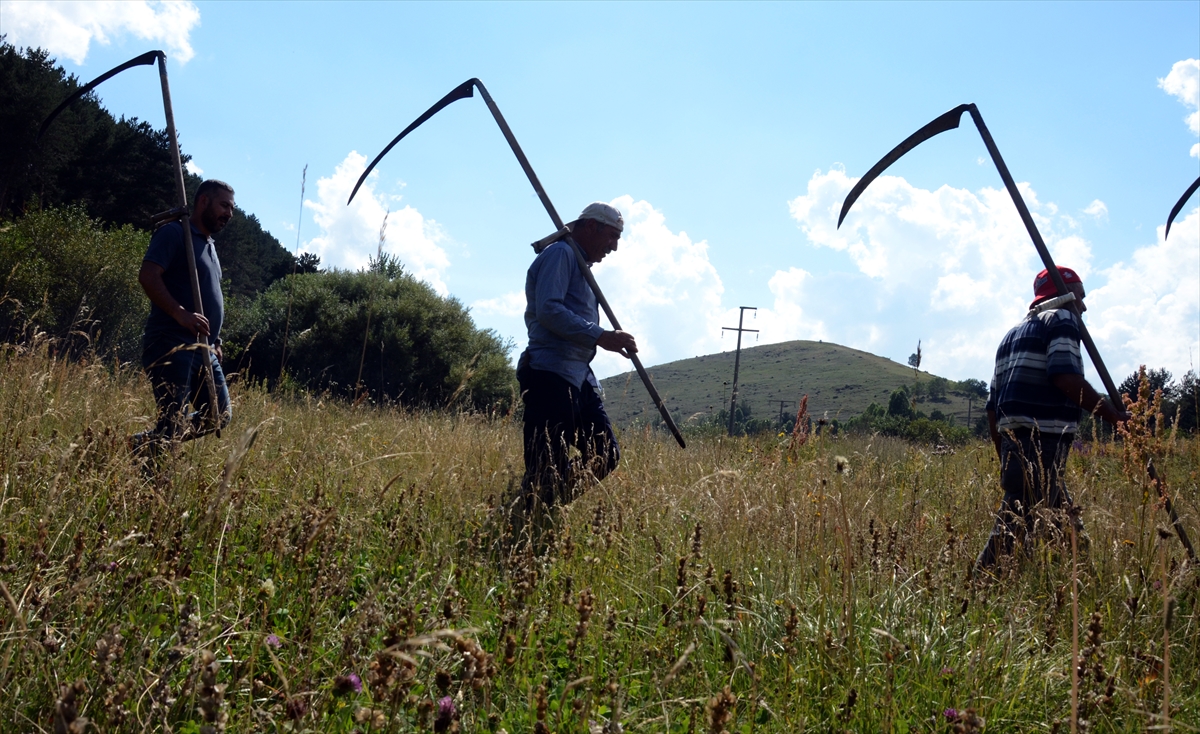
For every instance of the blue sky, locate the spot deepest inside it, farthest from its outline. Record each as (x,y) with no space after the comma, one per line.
(728,134)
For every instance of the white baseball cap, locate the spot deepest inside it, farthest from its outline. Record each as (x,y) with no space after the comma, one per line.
(604,214)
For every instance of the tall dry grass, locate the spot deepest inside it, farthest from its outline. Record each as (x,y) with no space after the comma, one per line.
(333,568)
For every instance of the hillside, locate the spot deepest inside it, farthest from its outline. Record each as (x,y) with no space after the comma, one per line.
(840,382)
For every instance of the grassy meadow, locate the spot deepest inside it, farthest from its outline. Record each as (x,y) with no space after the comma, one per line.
(348,570)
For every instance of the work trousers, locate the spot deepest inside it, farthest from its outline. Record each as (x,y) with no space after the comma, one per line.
(558,417)
(1032,465)
(176,374)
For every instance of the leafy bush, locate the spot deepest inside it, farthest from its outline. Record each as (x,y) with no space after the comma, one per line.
(380,332)
(64,274)
(900,419)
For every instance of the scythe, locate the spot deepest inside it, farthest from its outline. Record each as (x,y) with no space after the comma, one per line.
(467,89)
(950,121)
(1179,206)
(179,213)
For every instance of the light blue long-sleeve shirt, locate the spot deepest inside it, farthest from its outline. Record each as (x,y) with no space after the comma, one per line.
(561,315)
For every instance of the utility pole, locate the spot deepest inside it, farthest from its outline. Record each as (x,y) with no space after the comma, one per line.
(737,360)
(782,405)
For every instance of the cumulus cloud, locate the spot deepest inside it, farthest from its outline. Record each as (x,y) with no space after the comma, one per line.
(193,169)
(954,268)
(1183,83)
(68,28)
(950,267)
(349,235)
(509,305)
(663,289)
(1097,209)
(1148,310)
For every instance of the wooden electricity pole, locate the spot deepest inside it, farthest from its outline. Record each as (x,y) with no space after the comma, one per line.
(737,359)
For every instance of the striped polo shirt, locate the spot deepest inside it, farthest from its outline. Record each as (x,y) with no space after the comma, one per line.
(1034,351)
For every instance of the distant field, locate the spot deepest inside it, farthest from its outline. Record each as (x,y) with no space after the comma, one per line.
(840,382)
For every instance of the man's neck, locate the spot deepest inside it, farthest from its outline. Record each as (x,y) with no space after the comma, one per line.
(199,226)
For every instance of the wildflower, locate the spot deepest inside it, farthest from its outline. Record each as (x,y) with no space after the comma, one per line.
(947,671)
(843,464)
(267,588)
(951,714)
(273,641)
(344,685)
(446,714)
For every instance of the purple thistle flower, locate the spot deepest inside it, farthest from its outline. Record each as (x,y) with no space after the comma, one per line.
(951,714)
(273,641)
(344,685)
(445,714)
(947,671)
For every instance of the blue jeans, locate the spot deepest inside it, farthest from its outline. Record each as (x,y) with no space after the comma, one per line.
(559,415)
(1031,474)
(176,373)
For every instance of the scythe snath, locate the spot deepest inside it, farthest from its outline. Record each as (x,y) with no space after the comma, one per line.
(179,213)
(467,89)
(950,121)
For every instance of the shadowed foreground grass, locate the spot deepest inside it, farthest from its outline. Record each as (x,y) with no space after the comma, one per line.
(345,572)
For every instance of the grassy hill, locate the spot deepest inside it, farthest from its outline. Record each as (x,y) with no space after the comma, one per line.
(840,382)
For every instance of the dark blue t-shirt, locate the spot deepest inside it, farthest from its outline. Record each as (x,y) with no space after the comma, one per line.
(166,249)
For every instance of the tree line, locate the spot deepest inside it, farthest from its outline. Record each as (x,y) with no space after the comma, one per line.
(75,211)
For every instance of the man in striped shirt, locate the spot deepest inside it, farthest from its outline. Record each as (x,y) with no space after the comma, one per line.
(1033,412)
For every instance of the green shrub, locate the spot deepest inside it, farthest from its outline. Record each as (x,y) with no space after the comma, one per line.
(64,274)
(408,343)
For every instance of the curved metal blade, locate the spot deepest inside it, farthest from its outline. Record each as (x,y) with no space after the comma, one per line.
(462,91)
(1179,206)
(145,59)
(948,121)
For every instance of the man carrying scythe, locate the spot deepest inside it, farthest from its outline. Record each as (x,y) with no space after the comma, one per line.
(171,357)
(1033,410)
(563,406)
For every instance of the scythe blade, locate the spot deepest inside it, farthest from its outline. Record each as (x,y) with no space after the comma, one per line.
(948,121)
(462,91)
(1179,206)
(145,59)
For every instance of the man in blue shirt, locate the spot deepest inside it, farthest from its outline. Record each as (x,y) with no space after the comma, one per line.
(1033,412)
(563,406)
(172,359)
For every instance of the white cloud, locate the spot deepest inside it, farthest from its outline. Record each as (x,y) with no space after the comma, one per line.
(1183,83)
(349,235)
(68,28)
(1148,311)
(954,268)
(193,169)
(662,288)
(509,304)
(1097,209)
(950,267)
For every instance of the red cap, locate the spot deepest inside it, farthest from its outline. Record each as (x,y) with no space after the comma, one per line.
(1043,286)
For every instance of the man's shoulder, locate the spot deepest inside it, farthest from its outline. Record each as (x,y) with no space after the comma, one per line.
(1059,320)
(170,231)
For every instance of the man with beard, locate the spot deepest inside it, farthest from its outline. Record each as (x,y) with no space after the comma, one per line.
(172,359)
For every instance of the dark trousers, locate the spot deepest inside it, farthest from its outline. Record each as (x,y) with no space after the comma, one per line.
(176,374)
(1032,465)
(559,416)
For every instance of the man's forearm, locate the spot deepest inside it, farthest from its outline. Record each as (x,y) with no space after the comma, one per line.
(1079,391)
(151,280)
